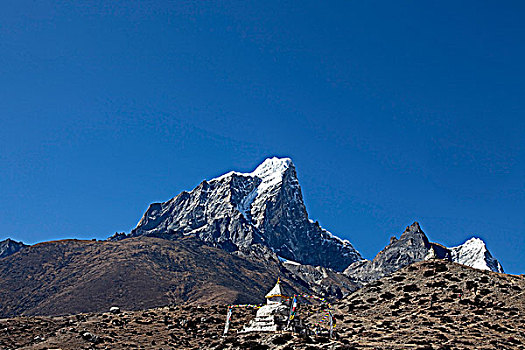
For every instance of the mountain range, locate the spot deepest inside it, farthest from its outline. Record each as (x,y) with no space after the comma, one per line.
(414,246)
(249,227)
(238,211)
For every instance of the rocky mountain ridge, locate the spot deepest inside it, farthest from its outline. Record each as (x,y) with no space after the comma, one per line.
(414,246)
(264,209)
(70,275)
(8,247)
(253,224)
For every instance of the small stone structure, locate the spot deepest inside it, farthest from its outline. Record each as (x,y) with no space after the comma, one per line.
(273,316)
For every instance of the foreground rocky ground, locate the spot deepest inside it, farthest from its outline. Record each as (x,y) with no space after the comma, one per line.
(437,305)
(427,305)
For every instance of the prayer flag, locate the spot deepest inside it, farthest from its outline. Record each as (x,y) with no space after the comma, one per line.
(228,317)
(294,306)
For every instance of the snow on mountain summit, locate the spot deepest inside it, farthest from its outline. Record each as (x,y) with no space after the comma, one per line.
(270,171)
(474,253)
(269,175)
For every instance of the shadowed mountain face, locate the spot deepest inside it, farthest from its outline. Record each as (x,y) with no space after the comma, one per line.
(71,276)
(237,210)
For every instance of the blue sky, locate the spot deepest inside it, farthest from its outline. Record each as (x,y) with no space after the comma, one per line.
(391,112)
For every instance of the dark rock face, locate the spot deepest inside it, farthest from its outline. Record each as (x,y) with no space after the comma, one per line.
(412,246)
(238,211)
(8,247)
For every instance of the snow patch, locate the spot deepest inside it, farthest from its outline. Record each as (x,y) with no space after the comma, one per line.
(270,171)
(245,204)
(286,261)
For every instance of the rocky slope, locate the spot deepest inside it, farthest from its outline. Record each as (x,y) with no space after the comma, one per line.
(428,305)
(239,210)
(414,246)
(436,304)
(71,276)
(8,247)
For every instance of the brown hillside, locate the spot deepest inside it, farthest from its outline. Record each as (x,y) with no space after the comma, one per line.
(73,276)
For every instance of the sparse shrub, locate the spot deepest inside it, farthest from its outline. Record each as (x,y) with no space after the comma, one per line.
(387,295)
(411,288)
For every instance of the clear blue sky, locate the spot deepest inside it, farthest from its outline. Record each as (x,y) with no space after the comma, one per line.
(391,112)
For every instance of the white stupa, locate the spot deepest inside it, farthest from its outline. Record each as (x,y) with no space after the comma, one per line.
(272,316)
(275,295)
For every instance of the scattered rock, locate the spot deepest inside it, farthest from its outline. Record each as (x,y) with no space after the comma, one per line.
(95,339)
(114,310)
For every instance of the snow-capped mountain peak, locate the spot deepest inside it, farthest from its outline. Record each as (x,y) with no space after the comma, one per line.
(474,253)
(271,171)
(236,210)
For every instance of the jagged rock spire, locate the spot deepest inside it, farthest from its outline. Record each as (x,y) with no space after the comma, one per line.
(9,247)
